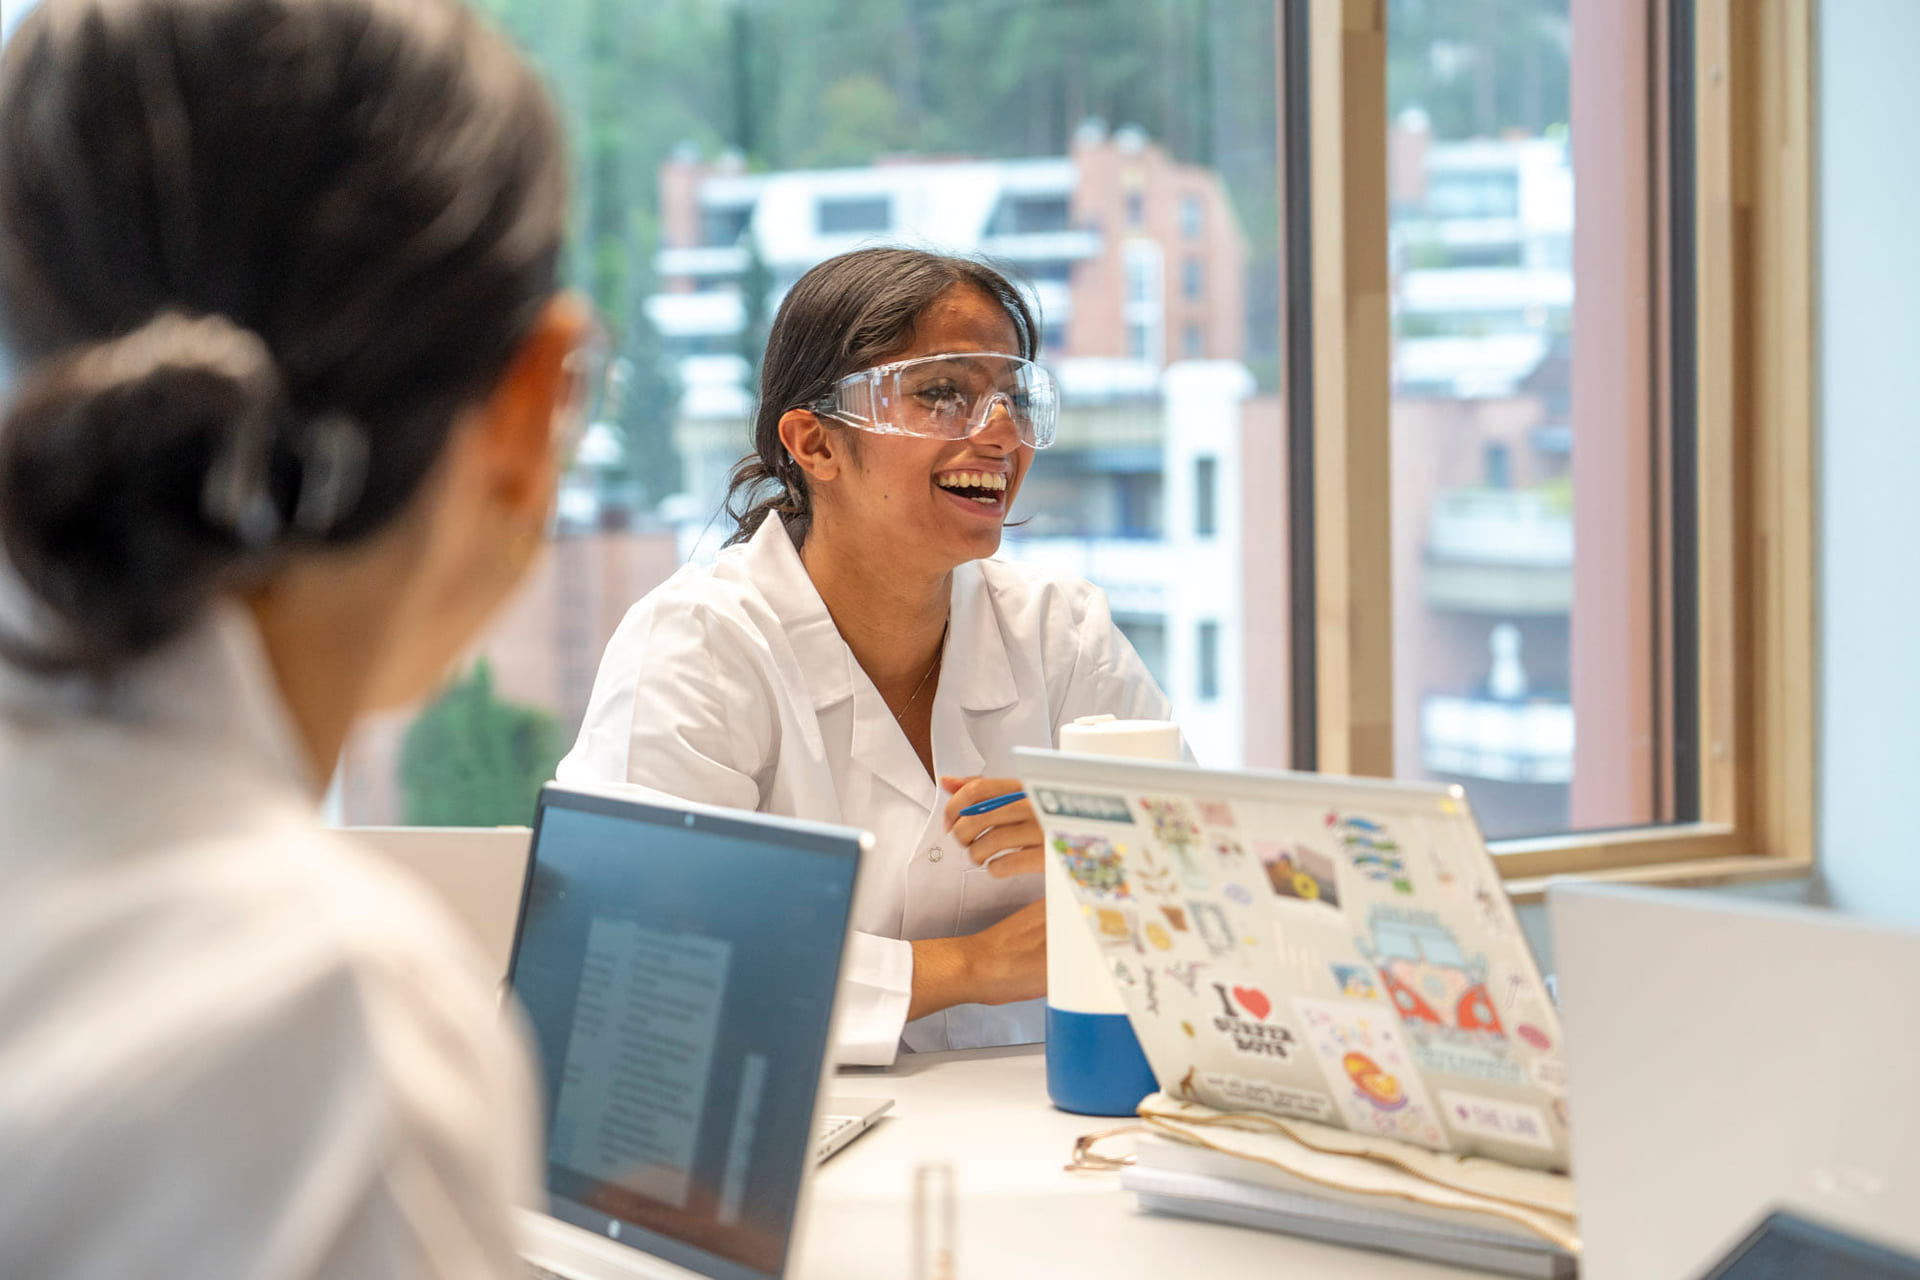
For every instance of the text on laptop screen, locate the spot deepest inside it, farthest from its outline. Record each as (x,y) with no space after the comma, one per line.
(680,981)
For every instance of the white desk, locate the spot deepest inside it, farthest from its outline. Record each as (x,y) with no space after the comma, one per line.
(1020,1213)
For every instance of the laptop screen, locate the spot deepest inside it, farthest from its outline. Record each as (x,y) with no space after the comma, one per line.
(679,971)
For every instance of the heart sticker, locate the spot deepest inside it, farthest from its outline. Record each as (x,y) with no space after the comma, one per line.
(1253,1000)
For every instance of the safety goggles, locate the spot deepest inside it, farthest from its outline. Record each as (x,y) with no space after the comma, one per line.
(947,397)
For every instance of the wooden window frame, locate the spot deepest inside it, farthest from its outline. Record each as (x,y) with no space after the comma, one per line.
(1752,733)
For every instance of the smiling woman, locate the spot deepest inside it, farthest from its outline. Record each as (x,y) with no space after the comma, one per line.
(855,657)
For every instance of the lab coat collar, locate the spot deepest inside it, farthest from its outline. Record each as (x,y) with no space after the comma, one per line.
(826,663)
(212,688)
(977,671)
(977,657)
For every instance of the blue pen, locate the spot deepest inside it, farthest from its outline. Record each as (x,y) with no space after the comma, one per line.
(988,806)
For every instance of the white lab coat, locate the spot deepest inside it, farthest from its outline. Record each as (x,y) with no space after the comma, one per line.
(232,1045)
(730,685)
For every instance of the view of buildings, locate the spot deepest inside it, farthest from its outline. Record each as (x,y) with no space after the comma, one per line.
(1482,260)
(1136,264)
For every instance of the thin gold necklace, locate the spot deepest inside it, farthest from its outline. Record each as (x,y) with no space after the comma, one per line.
(940,651)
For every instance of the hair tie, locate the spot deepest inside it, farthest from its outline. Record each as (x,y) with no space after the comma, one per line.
(235,496)
(333,474)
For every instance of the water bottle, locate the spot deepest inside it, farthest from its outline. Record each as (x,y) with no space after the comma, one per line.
(1094,1063)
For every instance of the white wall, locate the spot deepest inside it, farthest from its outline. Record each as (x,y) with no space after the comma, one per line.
(1868,260)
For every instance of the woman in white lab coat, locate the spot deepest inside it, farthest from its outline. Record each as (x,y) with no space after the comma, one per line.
(855,657)
(291,374)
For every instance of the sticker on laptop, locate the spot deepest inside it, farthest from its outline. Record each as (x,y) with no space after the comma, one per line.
(1370,850)
(1497,1119)
(1093,864)
(1117,928)
(1216,813)
(1441,995)
(1236,1093)
(1356,982)
(1246,1020)
(1083,804)
(1297,872)
(1228,851)
(1187,974)
(1178,831)
(1211,923)
(1372,1073)
(1152,876)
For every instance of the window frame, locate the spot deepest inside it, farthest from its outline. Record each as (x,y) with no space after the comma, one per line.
(1745,370)
(1736,385)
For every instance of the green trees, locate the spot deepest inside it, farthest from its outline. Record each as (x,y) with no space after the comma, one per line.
(806,83)
(473,760)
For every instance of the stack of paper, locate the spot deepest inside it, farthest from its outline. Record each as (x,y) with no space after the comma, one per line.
(1353,1189)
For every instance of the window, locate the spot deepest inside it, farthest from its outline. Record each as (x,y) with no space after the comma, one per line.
(1031,215)
(1192,217)
(1205,471)
(1049,271)
(826,153)
(847,216)
(1209,659)
(1456,208)
(1148,636)
(1489,680)
(1140,340)
(1193,280)
(1421,468)
(722,226)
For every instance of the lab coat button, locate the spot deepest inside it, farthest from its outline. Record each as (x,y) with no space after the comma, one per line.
(934,854)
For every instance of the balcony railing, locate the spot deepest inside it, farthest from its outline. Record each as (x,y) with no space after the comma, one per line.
(1502,527)
(1472,737)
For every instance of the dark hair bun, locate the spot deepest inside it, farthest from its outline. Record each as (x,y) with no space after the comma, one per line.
(132,474)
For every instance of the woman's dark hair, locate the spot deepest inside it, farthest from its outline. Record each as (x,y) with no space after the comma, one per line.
(847,314)
(255,257)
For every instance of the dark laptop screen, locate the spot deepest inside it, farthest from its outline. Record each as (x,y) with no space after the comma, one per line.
(679,970)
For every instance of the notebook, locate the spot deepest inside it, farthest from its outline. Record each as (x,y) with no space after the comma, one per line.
(1331,950)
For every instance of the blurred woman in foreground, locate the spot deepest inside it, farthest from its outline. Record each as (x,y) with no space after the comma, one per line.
(291,385)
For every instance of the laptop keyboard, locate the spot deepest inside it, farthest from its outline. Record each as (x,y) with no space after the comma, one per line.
(831,1127)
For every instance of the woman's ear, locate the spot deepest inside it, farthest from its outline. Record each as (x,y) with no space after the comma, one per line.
(518,446)
(813,444)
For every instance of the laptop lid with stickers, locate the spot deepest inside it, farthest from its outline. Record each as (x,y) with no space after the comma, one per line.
(1325,949)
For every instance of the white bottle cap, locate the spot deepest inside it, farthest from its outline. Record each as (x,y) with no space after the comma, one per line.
(1137,739)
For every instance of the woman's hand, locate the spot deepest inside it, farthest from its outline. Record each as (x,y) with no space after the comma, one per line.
(1007,840)
(1004,962)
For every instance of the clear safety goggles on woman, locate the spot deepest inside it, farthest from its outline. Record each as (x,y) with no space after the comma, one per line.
(947,397)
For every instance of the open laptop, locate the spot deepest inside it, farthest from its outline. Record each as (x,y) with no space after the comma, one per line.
(679,967)
(1729,1059)
(1326,949)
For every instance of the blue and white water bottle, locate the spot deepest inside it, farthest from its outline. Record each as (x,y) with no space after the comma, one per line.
(1094,1063)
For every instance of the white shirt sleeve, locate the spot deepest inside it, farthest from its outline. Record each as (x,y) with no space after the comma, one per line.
(246,1072)
(700,726)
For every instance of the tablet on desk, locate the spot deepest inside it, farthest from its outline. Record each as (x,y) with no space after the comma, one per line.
(1786,1246)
